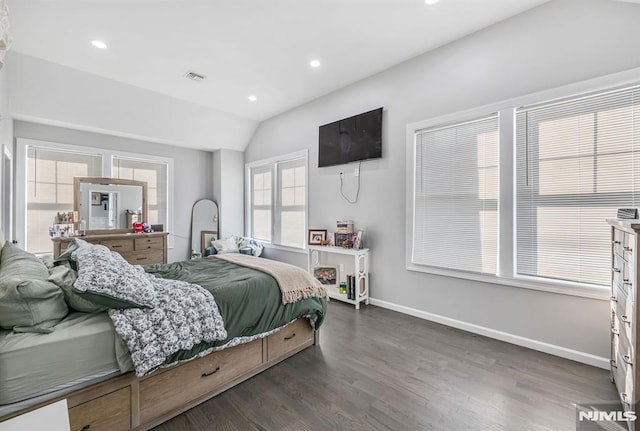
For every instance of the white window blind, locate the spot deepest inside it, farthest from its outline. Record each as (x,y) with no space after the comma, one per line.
(291,203)
(50,189)
(155,175)
(261,197)
(456,196)
(576,164)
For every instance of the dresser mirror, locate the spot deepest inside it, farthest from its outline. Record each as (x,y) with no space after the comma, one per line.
(106,205)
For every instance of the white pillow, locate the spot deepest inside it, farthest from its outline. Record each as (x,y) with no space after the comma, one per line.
(225,245)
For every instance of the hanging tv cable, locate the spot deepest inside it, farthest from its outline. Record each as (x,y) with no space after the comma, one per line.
(357,187)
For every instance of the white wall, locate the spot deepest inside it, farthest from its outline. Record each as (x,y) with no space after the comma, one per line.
(228,191)
(45,92)
(559,43)
(191,171)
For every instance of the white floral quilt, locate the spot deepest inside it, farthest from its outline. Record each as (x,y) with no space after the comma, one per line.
(181,314)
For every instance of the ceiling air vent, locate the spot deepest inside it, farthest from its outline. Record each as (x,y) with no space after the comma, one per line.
(194,76)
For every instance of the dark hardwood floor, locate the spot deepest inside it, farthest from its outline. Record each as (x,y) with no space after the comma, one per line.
(376,369)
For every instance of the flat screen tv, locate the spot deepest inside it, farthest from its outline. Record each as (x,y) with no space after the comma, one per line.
(351,139)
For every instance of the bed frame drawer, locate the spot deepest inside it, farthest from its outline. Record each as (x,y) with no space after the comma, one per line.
(109,412)
(163,392)
(296,334)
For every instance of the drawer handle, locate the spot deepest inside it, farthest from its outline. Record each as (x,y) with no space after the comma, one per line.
(627,360)
(141,258)
(614,299)
(627,248)
(615,331)
(290,336)
(613,363)
(148,246)
(211,373)
(85,428)
(617,242)
(625,319)
(628,283)
(616,269)
(116,246)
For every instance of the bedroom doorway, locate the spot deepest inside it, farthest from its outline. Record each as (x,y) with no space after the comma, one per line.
(7,195)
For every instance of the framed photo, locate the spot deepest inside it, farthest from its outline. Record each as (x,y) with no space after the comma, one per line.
(206,236)
(326,274)
(96,199)
(317,236)
(357,242)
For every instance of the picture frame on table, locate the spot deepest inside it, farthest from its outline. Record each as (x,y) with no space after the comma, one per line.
(317,236)
(326,274)
(357,240)
(206,236)
(96,199)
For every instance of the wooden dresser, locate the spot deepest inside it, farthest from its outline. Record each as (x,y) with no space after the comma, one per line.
(624,313)
(136,248)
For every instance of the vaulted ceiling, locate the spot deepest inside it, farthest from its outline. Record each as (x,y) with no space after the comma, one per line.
(245,47)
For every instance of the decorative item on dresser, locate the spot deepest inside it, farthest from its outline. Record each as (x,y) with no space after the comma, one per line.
(624,312)
(137,249)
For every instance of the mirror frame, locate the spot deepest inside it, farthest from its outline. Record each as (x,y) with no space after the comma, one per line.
(107,182)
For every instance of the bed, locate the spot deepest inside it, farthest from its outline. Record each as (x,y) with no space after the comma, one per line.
(107,388)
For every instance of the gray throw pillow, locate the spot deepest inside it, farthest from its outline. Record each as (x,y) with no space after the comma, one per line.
(27,299)
(64,277)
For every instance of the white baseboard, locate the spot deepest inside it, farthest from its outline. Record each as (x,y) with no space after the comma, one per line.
(563,352)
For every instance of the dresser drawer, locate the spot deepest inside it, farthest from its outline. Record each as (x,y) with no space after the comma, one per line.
(144,257)
(111,412)
(619,239)
(288,338)
(628,242)
(147,243)
(615,336)
(119,245)
(165,391)
(623,377)
(624,310)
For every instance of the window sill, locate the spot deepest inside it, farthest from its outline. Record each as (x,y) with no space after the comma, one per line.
(551,286)
(270,246)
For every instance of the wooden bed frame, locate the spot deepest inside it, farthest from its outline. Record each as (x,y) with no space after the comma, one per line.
(127,402)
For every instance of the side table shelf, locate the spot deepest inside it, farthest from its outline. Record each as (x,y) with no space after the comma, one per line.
(349,260)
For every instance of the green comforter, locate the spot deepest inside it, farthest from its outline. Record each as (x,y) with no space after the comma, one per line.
(249,301)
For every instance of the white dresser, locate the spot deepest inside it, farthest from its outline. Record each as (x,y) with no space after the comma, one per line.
(624,311)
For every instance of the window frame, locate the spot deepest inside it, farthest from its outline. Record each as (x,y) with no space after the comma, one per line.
(20,202)
(506,273)
(483,118)
(591,105)
(273,163)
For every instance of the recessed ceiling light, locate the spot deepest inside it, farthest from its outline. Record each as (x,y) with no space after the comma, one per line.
(314,63)
(430,2)
(252,98)
(99,44)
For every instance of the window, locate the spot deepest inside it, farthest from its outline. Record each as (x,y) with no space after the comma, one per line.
(576,164)
(261,202)
(155,175)
(44,184)
(456,196)
(50,189)
(278,200)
